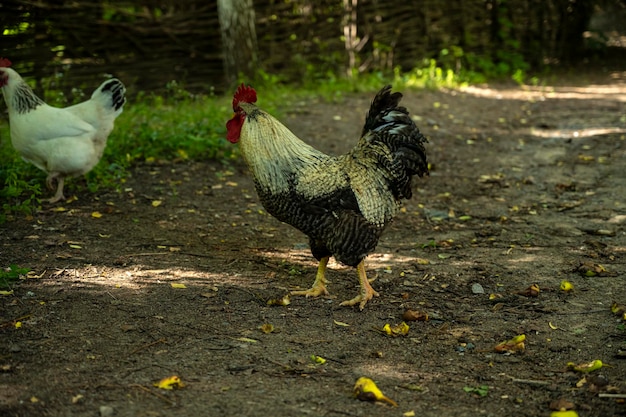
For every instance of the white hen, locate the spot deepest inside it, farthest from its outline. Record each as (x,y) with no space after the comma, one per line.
(64,142)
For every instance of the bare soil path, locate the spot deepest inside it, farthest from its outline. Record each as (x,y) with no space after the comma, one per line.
(527,187)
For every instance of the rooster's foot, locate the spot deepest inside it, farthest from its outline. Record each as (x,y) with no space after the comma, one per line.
(367,292)
(319,286)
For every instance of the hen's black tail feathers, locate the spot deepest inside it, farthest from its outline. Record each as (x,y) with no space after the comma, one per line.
(388,124)
(116,90)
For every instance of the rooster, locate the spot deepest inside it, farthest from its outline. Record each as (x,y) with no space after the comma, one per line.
(63,142)
(342,203)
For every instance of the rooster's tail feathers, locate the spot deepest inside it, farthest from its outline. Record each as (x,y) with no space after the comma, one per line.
(113,89)
(389,124)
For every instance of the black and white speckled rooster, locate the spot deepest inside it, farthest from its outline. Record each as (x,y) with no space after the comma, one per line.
(63,142)
(342,203)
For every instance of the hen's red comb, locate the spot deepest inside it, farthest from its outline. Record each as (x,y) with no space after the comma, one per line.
(244,94)
(4,62)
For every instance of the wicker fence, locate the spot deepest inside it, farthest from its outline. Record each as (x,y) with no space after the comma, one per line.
(148,43)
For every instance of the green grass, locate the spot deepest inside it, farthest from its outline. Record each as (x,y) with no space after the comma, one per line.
(8,276)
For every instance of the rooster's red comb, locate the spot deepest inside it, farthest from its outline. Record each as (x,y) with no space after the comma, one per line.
(244,94)
(5,63)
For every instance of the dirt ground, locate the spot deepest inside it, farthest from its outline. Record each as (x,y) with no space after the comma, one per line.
(527,187)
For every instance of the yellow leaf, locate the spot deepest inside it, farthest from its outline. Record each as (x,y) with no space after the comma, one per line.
(18,324)
(177,285)
(568,413)
(267,328)
(169,383)
(318,359)
(279,301)
(231,183)
(58,209)
(156,203)
(586,367)
(104,236)
(566,286)
(96,214)
(34,399)
(174,249)
(422,261)
(514,345)
(409,414)
(338,323)
(75,246)
(6,292)
(398,330)
(366,390)
(552,326)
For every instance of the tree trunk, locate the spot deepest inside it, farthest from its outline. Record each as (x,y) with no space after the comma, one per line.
(239,42)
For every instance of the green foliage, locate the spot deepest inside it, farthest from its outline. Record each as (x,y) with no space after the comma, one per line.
(482,390)
(20,182)
(11,274)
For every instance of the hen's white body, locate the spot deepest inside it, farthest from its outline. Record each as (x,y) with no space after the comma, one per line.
(63,142)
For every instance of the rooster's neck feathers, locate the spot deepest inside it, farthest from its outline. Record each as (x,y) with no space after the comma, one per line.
(274,162)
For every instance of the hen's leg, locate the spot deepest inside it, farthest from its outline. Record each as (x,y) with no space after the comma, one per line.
(367,292)
(319,286)
(60,181)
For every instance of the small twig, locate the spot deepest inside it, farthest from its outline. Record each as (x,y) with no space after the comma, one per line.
(605,395)
(150,254)
(140,348)
(156,394)
(529,381)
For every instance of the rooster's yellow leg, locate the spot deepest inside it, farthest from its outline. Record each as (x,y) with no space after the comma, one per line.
(319,286)
(60,181)
(367,292)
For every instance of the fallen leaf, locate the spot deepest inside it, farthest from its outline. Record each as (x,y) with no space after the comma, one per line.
(3,292)
(401,329)
(76,246)
(617,309)
(96,214)
(279,301)
(58,209)
(590,269)
(366,390)
(585,367)
(532,291)
(177,285)
(516,344)
(561,405)
(341,323)
(156,203)
(567,413)
(267,328)
(169,383)
(413,315)
(566,286)
(318,359)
